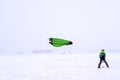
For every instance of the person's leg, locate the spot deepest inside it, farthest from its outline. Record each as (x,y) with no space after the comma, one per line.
(106,63)
(99,63)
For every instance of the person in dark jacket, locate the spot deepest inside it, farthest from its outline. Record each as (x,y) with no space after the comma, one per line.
(102,56)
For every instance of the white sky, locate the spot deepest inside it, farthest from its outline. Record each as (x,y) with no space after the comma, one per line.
(90,24)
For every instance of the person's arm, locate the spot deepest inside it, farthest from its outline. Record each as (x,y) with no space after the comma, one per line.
(99,54)
(105,54)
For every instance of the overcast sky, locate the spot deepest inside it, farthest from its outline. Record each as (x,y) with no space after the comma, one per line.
(26,25)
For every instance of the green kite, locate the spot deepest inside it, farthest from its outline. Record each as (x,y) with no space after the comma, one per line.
(57,42)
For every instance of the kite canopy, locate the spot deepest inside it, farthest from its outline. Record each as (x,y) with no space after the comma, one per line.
(57,42)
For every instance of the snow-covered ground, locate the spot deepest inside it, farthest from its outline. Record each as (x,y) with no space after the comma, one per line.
(58,67)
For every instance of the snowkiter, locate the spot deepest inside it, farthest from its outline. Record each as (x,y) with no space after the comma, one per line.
(102,56)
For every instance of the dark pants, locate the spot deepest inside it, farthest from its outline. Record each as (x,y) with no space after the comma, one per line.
(103,59)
